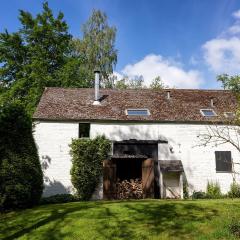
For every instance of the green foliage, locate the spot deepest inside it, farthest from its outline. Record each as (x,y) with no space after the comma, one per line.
(234,190)
(98,44)
(59,198)
(230,82)
(75,74)
(121,84)
(21,179)
(213,190)
(234,227)
(87,158)
(185,190)
(157,83)
(198,195)
(32,56)
(135,82)
(43,54)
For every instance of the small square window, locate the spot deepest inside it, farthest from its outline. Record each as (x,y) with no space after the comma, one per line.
(137,112)
(208,113)
(84,130)
(223,161)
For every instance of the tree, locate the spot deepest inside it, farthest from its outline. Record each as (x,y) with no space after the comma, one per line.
(121,84)
(157,83)
(98,44)
(136,82)
(32,57)
(230,82)
(43,54)
(126,82)
(21,178)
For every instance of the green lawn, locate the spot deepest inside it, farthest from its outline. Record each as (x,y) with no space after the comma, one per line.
(144,219)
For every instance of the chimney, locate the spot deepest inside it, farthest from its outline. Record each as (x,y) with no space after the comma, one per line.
(168,95)
(212,102)
(96,85)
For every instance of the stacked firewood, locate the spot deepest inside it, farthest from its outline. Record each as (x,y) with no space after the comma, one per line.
(129,189)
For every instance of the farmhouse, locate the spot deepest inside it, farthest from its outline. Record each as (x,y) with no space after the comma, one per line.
(154,134)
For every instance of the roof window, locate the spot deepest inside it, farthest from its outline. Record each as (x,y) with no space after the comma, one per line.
(137,112)
(208,113)
(229,115)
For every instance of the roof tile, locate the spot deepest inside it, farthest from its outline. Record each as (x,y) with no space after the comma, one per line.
(183,106)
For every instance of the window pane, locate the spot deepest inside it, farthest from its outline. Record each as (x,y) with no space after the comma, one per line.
(223,161)
(138,112)
(84,129)
(208,112)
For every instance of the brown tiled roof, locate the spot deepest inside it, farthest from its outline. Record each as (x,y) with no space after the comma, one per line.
(183,106)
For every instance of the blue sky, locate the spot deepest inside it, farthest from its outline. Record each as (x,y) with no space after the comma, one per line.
(186,42)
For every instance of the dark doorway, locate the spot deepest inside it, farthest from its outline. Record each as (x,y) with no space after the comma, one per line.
(129,169)
(133,163)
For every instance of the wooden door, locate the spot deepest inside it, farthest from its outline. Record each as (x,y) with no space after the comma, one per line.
(148,178)
(109,180)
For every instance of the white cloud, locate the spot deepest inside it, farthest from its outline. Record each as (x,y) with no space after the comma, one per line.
(117,75)
(234,29)
(236,14)
(171,72)
(222,54)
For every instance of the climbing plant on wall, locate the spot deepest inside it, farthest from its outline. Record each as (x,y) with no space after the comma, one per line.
(87,158)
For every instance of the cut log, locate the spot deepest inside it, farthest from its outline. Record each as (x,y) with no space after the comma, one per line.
(129,189)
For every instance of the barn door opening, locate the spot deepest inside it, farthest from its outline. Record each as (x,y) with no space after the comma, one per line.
(129,178)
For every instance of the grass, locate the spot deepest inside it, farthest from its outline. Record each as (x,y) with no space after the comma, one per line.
(144,219)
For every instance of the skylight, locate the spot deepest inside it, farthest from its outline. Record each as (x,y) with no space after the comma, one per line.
(229,115)
(208,113)
(137,112)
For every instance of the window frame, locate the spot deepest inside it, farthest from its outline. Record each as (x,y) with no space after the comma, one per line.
(231,161)
(137,109)
(207,109)
(89,127)
(229,117)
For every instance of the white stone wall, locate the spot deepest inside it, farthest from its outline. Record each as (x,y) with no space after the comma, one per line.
(53,139)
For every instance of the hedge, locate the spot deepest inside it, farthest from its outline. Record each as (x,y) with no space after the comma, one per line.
(21,178)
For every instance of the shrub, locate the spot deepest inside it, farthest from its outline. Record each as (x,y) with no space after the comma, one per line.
(234,227)
(213,190)
(87,157)
(234,190)
(59,198)
(185,190)
(198,195)
(21,179)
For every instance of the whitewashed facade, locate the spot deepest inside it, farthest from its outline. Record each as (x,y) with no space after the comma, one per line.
(53,139)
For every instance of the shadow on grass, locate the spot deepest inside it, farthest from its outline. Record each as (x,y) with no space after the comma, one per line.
(117,220)
(56,216)
(174,219)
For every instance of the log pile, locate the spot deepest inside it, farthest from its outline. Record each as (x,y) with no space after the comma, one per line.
(129,189)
